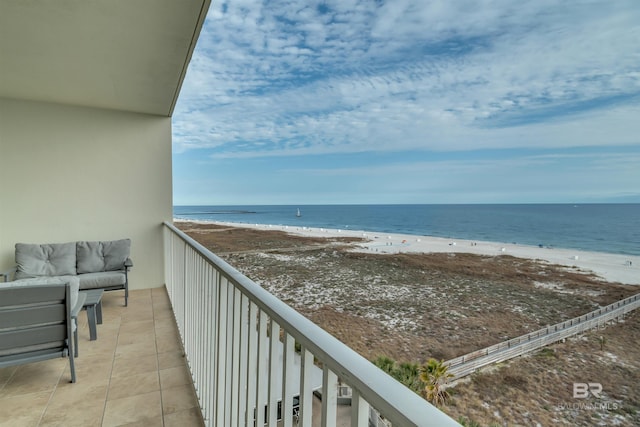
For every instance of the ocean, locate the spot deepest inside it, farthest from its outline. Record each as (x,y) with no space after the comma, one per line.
(612,228)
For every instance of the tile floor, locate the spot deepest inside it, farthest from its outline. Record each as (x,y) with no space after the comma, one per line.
(134,374)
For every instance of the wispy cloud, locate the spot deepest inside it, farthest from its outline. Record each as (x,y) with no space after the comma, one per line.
(304,77)
(513,176)
(274,79)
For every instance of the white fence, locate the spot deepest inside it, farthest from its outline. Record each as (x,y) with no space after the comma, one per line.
(239,341)
(469,363)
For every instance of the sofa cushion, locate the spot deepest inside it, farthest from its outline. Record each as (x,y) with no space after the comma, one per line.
(101,280)
(95,257)
(56,259)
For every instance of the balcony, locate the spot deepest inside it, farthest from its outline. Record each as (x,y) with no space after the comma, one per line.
(207,350)
(134,372)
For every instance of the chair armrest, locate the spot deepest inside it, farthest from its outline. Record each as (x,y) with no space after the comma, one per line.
(128,263)
(8,274)
(82,297)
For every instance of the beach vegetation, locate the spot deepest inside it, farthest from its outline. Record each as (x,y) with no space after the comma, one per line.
(409,375)
(385,363)
(427,380)
(435,375)
(465,422)
(547,352)
(404,372)
(603,341)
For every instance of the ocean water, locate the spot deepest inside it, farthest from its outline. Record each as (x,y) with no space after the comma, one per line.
(613,228)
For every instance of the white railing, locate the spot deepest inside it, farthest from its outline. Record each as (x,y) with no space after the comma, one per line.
(471,362)
(239,341)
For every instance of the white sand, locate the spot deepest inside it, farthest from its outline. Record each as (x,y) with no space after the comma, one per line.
(610,267)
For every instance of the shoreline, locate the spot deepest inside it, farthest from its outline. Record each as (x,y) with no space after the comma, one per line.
(609,267)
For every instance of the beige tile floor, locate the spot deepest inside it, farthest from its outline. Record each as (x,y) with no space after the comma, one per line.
(133,374)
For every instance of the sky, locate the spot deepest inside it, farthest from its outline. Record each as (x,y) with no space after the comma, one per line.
(411,101)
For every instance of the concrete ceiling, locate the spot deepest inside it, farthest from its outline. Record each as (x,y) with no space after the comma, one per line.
(128,55)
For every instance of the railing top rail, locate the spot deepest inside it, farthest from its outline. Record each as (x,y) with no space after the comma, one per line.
(400,405)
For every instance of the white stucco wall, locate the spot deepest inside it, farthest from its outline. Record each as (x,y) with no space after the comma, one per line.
(71,173)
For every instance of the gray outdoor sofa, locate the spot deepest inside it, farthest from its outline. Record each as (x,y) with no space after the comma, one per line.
(96,265)
(38,321)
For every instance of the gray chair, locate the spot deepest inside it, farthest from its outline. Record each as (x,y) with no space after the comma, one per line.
(38,322)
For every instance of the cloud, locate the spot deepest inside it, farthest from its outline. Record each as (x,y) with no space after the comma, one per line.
(292,78)
(583,174)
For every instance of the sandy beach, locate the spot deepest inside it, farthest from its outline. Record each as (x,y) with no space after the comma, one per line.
(610,267)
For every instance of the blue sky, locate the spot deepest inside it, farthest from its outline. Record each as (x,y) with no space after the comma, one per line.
(411,101)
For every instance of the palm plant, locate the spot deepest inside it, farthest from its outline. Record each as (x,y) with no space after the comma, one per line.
(435,374)
(385,363)
(405,372)
(409,375)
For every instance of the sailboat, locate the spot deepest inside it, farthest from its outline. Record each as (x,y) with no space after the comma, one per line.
(298,214)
